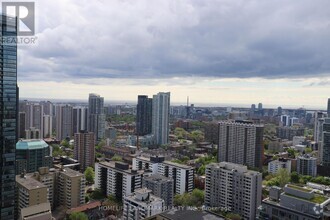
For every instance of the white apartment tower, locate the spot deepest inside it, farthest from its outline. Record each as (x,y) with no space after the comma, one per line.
(160,117)
(234,187)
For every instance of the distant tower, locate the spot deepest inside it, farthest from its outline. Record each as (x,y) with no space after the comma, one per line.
(143,115)
(328,107)
(188,108)
(260,106)
(160,117)
(96,116)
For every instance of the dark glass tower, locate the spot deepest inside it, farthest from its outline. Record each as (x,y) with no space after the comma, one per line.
(8,117)
(144,115)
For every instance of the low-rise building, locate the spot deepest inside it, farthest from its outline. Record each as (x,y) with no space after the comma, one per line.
(281,163)
(294,202)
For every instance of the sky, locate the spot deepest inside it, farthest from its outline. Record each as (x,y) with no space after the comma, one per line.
(214,51)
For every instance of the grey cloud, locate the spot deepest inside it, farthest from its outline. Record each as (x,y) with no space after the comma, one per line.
(168,38)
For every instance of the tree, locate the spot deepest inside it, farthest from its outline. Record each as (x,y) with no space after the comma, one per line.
(195,198)
(308,150)
(65,143)
(101,144)
(233,216)
(116,158)
(283,176)
(291,152)
(294,177)
(197,136)
(89,175)
(78,216)
(180,133)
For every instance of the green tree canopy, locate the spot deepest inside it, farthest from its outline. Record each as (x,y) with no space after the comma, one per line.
(283,176)
(294,177)
(116,158)
(78,216)
(89,175)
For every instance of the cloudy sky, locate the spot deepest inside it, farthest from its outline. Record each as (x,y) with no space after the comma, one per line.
(218,52)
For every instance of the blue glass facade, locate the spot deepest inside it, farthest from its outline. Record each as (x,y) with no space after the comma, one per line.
(8,118)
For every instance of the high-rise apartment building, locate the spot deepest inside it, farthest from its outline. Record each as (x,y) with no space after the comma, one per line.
(144,115)
(142,204)
(21,125)
(84,149)
(80,115)
(8,116)
(328,110)
(160,186)
(117,179)
(30,192)
(234,187)
(307,165)
(182,175)
(64,121)
(32,154)
(96,116)
(71,185)
(325,145)
(160,117)
(47,126)
(241,142)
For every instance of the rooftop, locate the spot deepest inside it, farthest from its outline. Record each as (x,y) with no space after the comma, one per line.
(158,178)
(112,164)
(177,165)
(29,182)
(31,144)
(71,173)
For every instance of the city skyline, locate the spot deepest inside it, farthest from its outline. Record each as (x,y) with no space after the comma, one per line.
(271,52)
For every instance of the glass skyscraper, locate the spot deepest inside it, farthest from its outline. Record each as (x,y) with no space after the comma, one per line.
(8,117)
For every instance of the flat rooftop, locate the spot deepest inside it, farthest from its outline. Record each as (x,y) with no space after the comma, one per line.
(29,182)
(71,173)
(112,164)
(177,164)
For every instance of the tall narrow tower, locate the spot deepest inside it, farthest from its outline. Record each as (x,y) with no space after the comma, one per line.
(160,117)
(8,117)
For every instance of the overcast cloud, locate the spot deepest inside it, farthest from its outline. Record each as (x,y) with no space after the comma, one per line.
(171,38)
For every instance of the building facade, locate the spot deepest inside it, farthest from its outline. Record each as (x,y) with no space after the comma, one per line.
(8,117)
(160,117)
(182,175)
(96,116)
(117,179)
(307,165)
(234,187)
(142,204)
(160,186)
(30,192)
(143,115)
(282,163)
(241,143)
(32,154)
(84,149)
